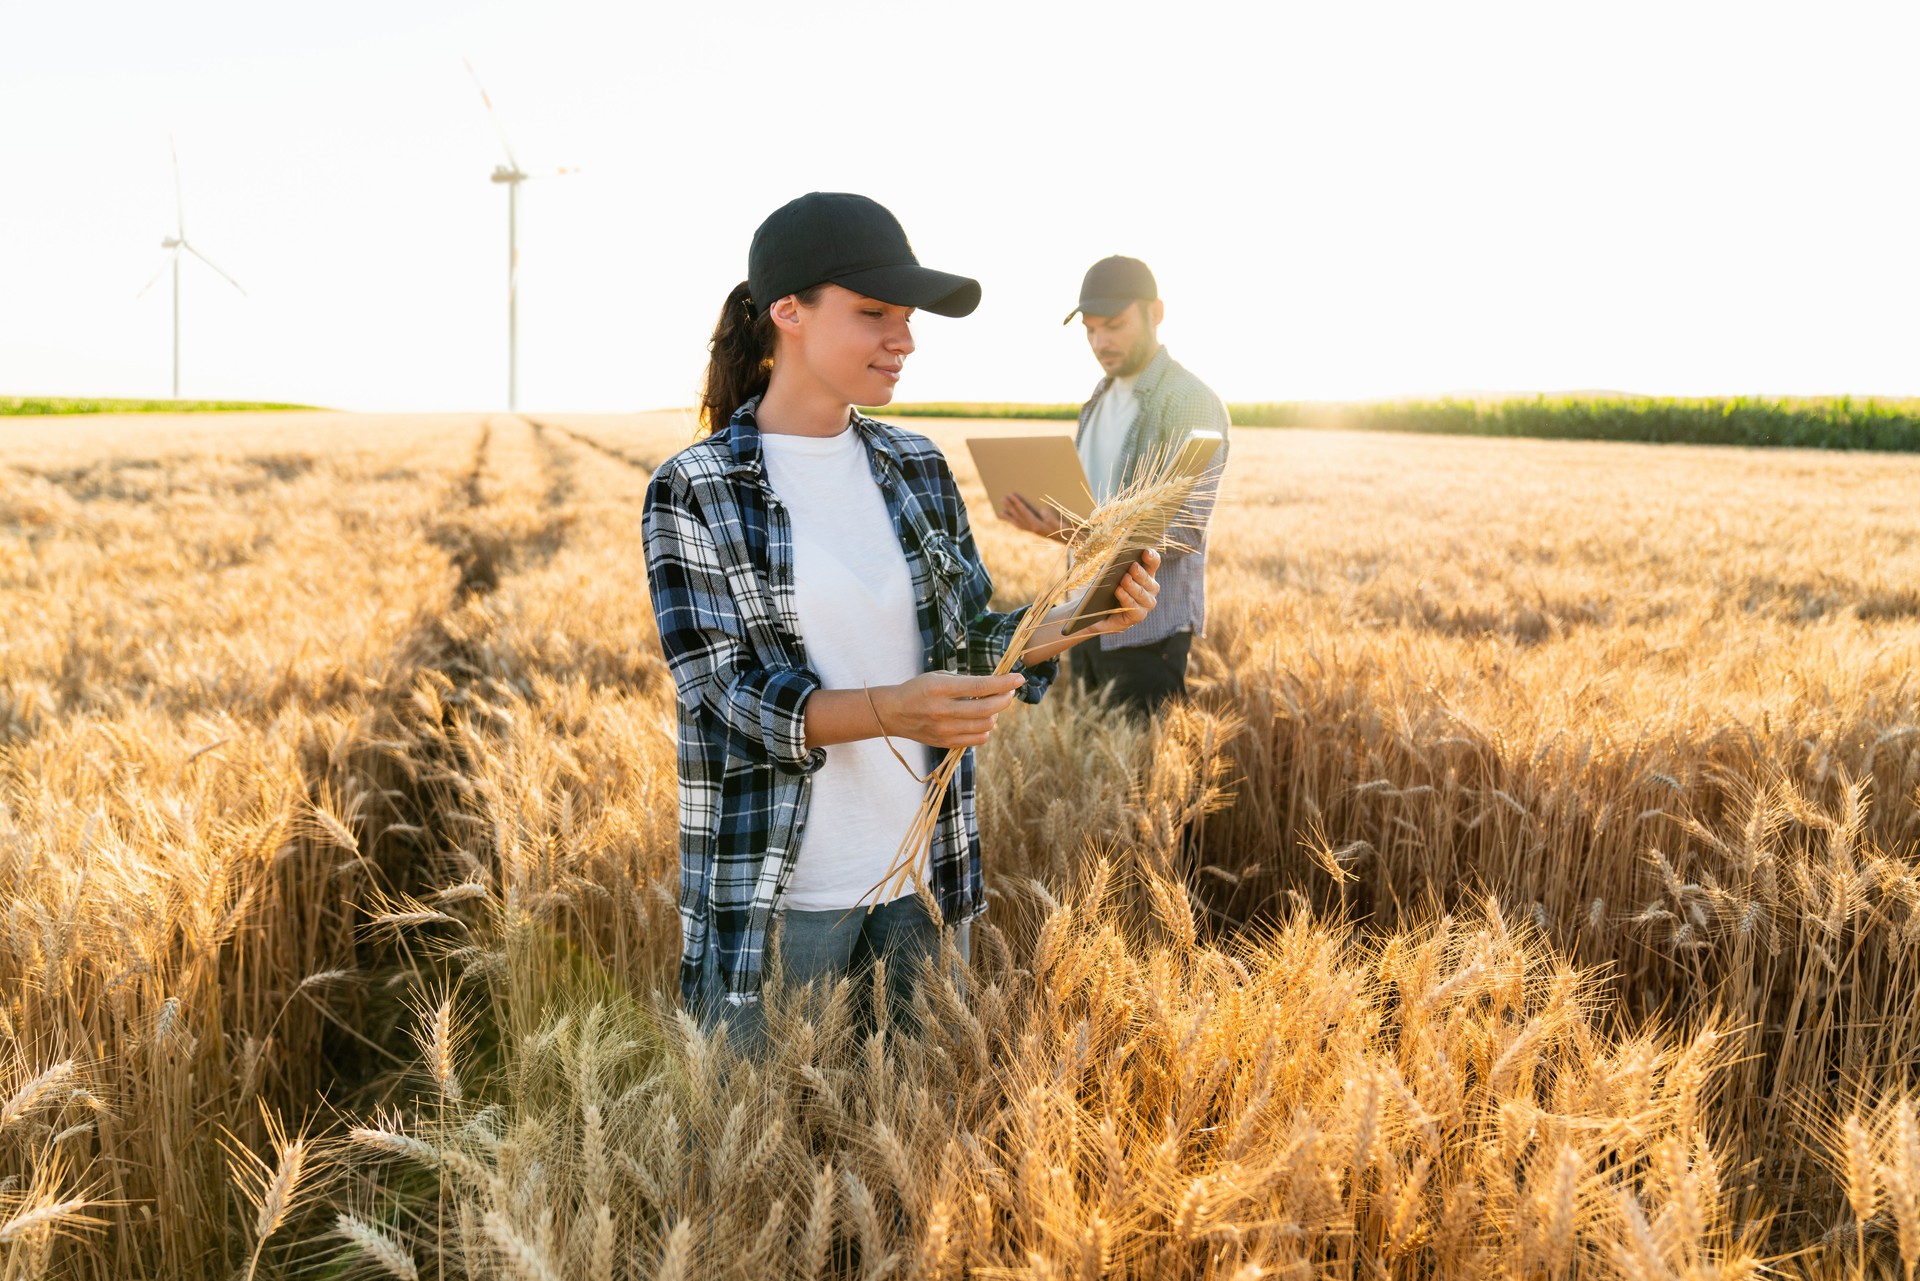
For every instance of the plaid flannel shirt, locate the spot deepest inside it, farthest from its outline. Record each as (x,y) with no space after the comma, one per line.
(719,547)
(1173,405)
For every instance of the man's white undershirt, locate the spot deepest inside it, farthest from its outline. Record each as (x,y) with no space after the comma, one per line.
(1103,444)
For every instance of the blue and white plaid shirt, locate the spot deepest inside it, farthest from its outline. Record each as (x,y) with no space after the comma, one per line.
(719,548)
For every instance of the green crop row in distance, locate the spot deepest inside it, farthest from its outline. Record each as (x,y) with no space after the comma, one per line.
(1840,422)
(81,405)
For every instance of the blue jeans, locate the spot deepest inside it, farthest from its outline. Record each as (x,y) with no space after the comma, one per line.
(829,946)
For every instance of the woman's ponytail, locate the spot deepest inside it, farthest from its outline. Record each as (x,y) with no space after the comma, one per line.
(739,361)
(739,357)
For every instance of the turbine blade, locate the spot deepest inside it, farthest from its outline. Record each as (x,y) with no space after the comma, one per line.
(492,115)
(554,173)
(179,205)
(156,275)
(211,263)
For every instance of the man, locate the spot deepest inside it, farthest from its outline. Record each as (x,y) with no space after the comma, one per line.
(1144,406)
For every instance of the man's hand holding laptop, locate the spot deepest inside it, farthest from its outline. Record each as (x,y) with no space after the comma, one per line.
(1041,518)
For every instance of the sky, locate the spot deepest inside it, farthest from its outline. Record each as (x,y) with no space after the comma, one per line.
(1340,200)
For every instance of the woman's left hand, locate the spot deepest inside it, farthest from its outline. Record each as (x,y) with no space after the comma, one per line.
(1137,593)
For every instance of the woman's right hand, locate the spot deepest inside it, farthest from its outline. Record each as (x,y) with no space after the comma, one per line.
(941,709)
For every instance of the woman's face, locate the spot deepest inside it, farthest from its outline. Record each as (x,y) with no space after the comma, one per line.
(850,345)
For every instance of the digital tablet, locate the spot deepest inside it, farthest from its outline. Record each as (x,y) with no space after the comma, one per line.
(1041,469)
(1099,600)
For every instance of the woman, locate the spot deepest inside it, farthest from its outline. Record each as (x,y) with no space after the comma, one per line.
(820,601)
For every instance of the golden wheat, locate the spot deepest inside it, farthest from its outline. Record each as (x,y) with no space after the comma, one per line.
(1504,751)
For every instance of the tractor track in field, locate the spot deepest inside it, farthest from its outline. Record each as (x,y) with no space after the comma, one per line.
(554,461)
(644,465)
(418,757)
(481,546)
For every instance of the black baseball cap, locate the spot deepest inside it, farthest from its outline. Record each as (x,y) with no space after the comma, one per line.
(1111,285)
(834,237)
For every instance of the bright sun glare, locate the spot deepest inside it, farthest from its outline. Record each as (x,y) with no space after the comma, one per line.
(1340,201)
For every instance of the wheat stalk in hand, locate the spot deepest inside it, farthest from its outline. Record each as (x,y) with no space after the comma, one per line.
(1120,529)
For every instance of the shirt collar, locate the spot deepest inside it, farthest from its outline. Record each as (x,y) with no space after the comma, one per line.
(743,441)
(1147,380)
(879,447)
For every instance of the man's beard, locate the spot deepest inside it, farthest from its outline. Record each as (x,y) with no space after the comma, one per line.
(1138,358)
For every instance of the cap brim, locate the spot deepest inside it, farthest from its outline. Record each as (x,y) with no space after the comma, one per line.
(1100,307)
(906,285)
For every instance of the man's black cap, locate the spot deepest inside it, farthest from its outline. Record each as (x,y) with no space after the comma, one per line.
(833,237)
(1111,285)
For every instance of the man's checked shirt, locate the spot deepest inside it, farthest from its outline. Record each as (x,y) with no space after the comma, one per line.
(719,548)
(1173,405)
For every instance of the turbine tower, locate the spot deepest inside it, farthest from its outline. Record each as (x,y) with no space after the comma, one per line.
(174,244)
(512,175)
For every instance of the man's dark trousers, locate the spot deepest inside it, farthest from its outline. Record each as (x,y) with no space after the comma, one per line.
(1143,676)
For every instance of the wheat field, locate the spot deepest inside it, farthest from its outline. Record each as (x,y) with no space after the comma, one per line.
(1531,889)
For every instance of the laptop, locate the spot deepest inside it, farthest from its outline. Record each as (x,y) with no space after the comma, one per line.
(1041,469)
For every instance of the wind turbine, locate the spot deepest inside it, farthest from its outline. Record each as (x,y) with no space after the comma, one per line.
(173,245)
(512,175)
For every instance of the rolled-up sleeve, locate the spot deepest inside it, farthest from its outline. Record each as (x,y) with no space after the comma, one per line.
(988,636)
(757,710)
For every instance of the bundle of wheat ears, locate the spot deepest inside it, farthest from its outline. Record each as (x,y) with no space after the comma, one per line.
(1146,513)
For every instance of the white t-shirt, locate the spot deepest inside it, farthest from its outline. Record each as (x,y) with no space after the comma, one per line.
(856,605)
(1103,444)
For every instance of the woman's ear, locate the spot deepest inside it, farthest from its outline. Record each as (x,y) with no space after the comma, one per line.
(786,313)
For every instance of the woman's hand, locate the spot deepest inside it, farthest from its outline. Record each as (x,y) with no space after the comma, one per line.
(1137,594)
(944,710)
